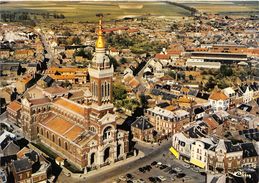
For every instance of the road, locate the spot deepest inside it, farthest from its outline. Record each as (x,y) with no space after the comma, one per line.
(50,55)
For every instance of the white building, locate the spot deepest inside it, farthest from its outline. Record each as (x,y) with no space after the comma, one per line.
(229,92)
(199,152)
(218,101)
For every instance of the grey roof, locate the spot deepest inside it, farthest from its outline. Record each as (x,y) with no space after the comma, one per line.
(142,123)
(232,148)
(21,165)
(248,150)
(10,149)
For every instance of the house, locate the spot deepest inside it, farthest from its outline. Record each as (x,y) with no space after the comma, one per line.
(14,111)
(22,170)
(181,146)
(229,92)
(225,157)
(142,129)
(199,113)
(250,156)
(40,165)
(114,52)
(199,151)
(247,93)
(218,100)
(167,122)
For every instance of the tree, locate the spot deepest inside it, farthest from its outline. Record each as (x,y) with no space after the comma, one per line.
(119,91)
(76,40)
(172,74)
(114,62)
(226,71)
(123,60)
(19,70)
(210,84)
(143,100)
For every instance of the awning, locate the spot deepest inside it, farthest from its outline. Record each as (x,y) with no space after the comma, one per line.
(198,163)
(174,152)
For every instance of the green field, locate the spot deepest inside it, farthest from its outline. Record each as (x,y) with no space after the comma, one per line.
(238,8)
(86,11)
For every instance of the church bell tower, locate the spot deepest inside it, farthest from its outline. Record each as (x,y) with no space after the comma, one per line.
(101,73)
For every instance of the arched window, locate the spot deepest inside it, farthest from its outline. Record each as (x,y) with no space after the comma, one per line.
(107,133)
(38,129)
(105,84)
(92,128)
(53,138)
(102,90)
(108,92)
(59,142)
(66,146)
(47,134)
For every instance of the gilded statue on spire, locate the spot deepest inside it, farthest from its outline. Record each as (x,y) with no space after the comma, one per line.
(100,43)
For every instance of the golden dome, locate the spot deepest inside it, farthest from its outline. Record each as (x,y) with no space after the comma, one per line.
(100,43)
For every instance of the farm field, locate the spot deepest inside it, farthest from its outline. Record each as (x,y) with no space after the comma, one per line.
(86,11)
(240,8)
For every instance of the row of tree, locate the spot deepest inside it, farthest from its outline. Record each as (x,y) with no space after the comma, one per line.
(10,16)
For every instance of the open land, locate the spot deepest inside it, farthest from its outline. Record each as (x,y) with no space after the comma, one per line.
(86,11)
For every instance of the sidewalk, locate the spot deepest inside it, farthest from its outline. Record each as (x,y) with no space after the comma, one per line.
(105,168)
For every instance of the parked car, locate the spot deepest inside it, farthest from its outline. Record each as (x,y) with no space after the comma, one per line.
(178,169)
(187,165)
(173,172)
(141,181)
(162,178)
(167,169)
(180,175)
(129,176)
(142,170)
(162,167)
(152,179)
(157,179)
(153,163)
(122,178)
(148,167)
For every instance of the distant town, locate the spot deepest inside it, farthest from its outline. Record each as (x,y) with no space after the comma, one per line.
(132,98)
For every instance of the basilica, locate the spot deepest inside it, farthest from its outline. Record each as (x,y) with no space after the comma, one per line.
(84,133)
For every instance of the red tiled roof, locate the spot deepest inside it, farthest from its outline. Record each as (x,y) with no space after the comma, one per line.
(162,56)
(15,106)
(218,95)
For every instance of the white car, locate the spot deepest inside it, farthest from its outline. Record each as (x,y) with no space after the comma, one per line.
(178,169)
(187,165)
(122,178)
(162,178)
